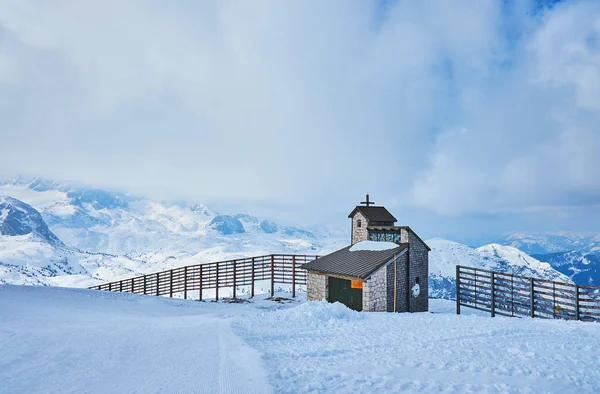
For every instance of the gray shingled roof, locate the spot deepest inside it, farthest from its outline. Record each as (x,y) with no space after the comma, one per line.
(374,214)
(359,264)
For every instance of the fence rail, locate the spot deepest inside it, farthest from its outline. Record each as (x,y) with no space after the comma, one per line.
(514,295)
(278,268)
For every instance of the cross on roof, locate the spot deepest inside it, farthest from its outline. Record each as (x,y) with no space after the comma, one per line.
(367,203)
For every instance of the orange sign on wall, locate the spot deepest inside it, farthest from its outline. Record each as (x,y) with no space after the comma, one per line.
(356,284)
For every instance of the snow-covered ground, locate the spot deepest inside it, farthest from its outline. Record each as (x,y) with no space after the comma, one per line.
(58,340)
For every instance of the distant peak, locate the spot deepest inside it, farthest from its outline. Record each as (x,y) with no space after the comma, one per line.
(18,218)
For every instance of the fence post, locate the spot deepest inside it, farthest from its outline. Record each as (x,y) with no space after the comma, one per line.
(458,289)
(512,294)
(185,283)
(272,276)
(144,284)
(217,283)
(234,278)
(171,283)
(553,300)
(475,284)
(132,285)
(157,284)
(110,286)
(200,291)
(120,286)
(252,280)
(493,295)
(576,302)
(294,276)
(532,297)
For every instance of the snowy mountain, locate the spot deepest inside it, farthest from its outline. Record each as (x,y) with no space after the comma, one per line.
(547,243)
(574,255)
(30,253)
(24,259)
(147,235)
(54,233)
(583,268)
(445,255)
(110,222)
(18,218)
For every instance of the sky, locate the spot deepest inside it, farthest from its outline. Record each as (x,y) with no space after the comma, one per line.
(467,119)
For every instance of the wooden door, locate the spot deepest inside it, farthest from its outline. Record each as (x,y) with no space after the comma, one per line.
(340,290)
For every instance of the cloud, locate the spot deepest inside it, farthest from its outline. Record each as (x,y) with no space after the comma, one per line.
(532,135)
(452,108)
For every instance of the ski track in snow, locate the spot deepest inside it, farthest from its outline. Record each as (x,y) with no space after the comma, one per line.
(67,341)
(58,340)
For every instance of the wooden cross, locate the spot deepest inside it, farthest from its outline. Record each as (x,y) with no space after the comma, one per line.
(367,203)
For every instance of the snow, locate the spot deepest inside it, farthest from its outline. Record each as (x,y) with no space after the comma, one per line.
(58,340)
(25,259)
(518,258)
(109,243)
(446,255)
(144,235)
(550,242)
(75,341)
(416,290)
(317,348)
(33,197)
(3,213)
(373,246)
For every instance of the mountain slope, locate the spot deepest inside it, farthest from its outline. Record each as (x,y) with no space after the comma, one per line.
(583,268)
(549,242)
(574,255)
(124,235)
(18,218)
(156,231)
(509,259)
(32,254)
(446,255)
(26,260)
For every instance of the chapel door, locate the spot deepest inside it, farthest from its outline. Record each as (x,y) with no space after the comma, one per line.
(341,290)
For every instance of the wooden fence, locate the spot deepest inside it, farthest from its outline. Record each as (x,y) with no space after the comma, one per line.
(513,295)
(278,268)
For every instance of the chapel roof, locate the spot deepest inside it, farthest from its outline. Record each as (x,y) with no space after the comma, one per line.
(354,263)
(374,214)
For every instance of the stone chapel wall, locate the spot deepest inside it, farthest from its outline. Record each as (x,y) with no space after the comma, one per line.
(359,233)
(419,267)
(316,287)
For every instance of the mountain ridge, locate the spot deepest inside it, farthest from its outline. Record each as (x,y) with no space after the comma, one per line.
(575,255)
(19,218)
(113,235)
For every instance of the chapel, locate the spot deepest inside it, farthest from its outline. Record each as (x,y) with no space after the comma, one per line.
(384,269)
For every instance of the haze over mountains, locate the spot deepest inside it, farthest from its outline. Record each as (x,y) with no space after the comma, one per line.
(126,235)
(57,234)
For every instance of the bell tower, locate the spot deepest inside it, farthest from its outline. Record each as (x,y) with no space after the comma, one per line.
(365,215)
